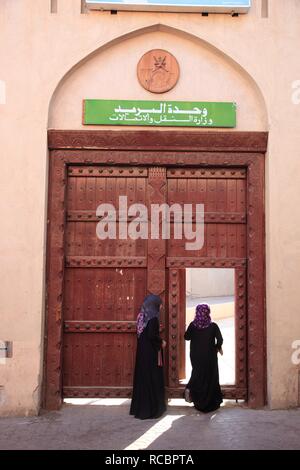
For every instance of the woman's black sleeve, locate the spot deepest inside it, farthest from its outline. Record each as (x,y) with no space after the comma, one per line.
(219,337)
(188,333)
(153,333)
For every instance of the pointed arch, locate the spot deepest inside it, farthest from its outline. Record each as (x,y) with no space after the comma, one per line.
(180,33)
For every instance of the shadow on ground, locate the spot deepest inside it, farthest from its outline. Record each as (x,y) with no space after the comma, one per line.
(106,424)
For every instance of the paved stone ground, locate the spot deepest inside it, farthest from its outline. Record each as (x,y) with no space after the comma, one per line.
(105,424)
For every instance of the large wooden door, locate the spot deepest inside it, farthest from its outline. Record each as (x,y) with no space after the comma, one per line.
(95,288)
(106,280)
(223,193)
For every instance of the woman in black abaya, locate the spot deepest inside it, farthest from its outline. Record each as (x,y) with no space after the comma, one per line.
(206,341)
(148,397)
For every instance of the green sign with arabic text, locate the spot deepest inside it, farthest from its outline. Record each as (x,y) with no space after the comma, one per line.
(159,113)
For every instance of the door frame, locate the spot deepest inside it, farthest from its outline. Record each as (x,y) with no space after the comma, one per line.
(156,148)
(238,390)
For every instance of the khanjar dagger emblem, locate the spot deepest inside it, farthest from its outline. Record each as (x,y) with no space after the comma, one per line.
(158,71)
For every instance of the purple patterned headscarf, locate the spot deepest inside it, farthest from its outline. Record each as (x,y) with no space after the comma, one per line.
(149,309)
(202,317)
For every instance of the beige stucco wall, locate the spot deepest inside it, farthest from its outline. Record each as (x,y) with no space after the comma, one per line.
(209,282)
(37,49)
(205,75)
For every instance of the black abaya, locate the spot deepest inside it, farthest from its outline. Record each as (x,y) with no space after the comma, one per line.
(148,397)
(204,384)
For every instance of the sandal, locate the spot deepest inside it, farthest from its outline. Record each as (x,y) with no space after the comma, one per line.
(187,395)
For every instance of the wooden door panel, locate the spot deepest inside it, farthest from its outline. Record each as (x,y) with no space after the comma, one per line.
(105,283)
(217,191)
(104,294)
(223,194)
(220,241)
(90,186)
(99,359)
(82,240)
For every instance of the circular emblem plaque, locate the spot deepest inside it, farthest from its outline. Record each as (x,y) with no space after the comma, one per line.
(158,71)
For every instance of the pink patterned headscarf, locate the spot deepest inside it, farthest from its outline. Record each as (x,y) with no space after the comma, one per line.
(202,317)
(149,310)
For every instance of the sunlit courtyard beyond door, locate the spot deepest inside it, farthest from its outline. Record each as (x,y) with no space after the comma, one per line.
(214,287)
